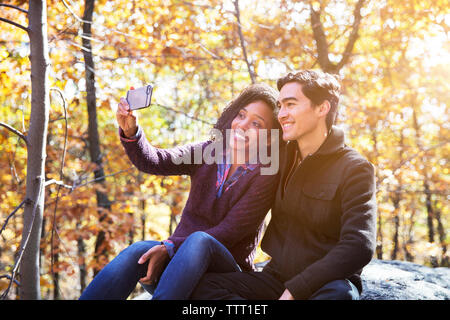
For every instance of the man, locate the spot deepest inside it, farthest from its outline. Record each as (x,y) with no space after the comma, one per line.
(323,230)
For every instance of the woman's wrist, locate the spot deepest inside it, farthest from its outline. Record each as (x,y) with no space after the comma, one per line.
(170,247)
(130,132)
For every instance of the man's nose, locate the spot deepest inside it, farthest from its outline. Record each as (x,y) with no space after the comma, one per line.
(282,114)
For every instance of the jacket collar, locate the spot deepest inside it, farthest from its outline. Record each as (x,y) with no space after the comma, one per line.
(332,144)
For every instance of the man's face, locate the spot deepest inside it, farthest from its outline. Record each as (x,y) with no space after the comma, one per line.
(297,116)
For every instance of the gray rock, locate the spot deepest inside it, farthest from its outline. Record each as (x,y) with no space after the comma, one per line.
(143,296)
(401,280)
(395,280)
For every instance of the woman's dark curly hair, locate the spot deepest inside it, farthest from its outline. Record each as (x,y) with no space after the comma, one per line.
(252,93)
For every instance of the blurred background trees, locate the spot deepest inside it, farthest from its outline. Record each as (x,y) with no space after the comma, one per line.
(392,57)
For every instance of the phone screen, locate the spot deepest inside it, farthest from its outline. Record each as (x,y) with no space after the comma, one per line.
(140,98)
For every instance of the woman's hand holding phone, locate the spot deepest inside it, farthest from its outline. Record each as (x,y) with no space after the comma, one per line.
(126,118)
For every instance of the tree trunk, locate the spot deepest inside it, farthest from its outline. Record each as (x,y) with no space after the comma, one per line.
(379,247)
(131,231)
(430,213)
(93,137)
(37,133)
(143,218)
(409,236)
(396,200)
(82,263)
(425,176)
(54,244)
(441,231)
(56,288)
(171,223)
(322,44)
(396,226)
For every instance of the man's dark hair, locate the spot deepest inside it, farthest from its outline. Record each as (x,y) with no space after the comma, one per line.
(317,86)
(252,93)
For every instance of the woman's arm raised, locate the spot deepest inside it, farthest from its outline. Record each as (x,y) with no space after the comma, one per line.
(147,158)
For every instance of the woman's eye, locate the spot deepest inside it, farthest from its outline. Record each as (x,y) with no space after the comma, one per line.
(256,124)
(241,115)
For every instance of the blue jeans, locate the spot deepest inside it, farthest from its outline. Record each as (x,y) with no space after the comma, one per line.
(199,253)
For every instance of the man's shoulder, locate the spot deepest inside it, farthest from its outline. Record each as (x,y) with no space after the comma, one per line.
(353,156)
(352,160)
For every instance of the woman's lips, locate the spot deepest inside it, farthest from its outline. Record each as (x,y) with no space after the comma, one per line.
(240,136)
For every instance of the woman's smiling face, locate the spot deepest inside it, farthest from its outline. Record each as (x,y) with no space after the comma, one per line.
(248,123)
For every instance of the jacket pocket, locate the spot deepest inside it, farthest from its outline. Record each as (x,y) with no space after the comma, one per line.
(317,202)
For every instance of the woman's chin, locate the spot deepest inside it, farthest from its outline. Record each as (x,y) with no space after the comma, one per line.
(240,148)
(236,144)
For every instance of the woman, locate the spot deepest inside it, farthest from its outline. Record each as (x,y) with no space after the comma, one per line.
(221,223)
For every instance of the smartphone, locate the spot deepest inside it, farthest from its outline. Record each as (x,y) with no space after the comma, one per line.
(140,98)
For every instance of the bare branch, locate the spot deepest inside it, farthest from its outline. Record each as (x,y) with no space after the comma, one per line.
(241,37)
(14,7)
(421,152)
(74,14)
(216,57)
(100,178)
(401,189)
(7,276)
(12,214)
(12,167)
(353,36)
(59,183)
(183,113)
(20,134)
(205,6)
(65,131)
(15,24)
(321,41)
(25,243)
(338,36)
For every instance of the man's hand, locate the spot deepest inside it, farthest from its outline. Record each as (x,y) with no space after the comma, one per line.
(126,118)
(286,295)
(157,257)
